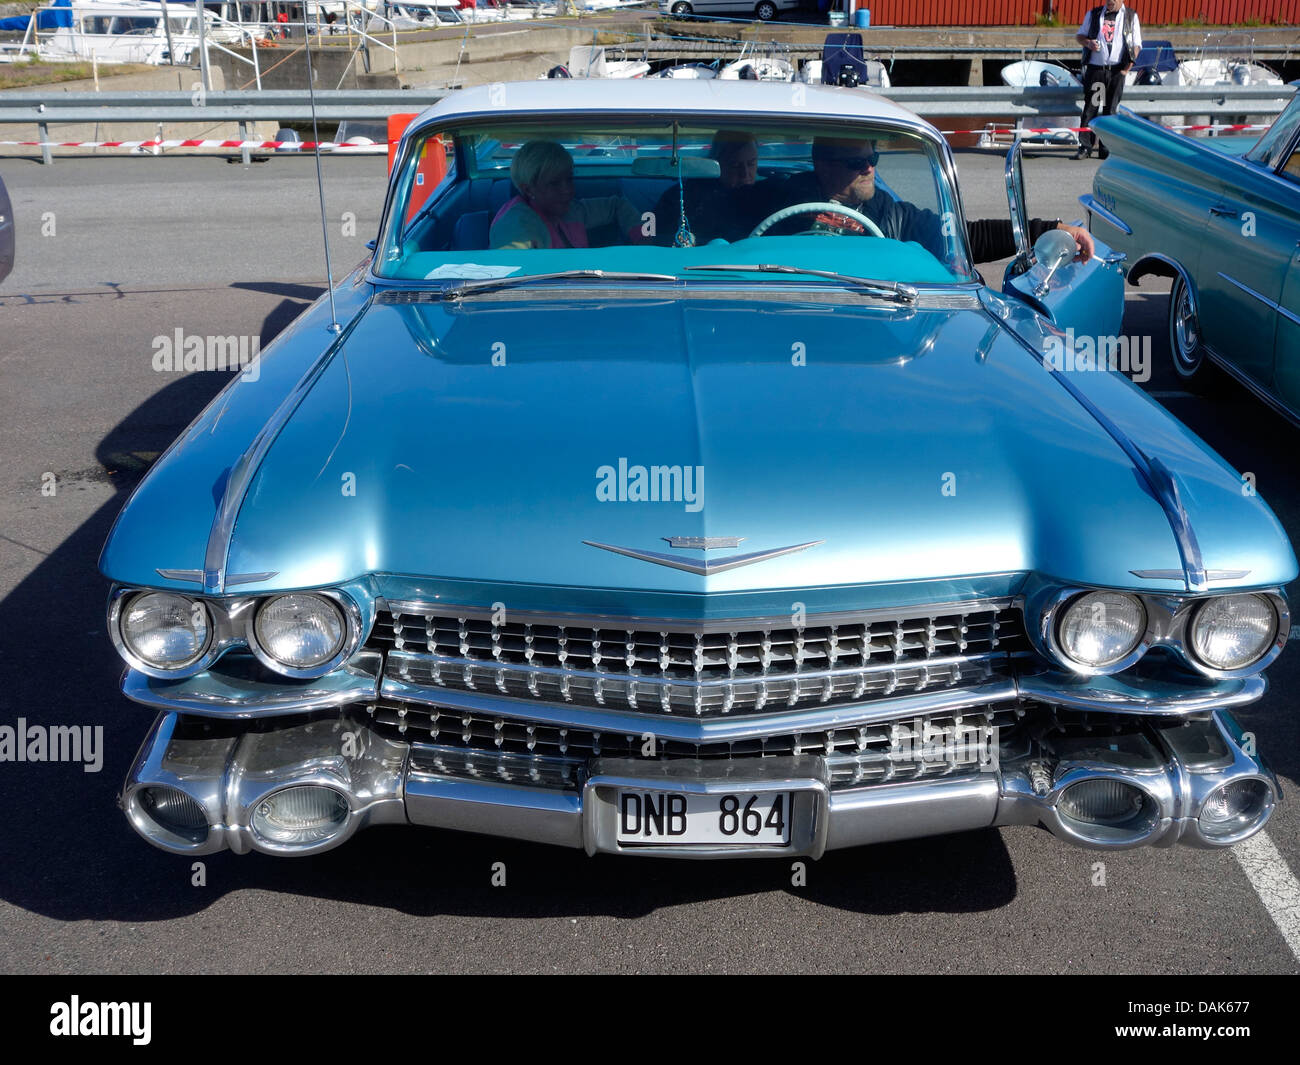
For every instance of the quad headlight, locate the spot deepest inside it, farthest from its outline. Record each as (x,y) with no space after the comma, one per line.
(300,631)
(163,631)
(1099,629)
(1232,632)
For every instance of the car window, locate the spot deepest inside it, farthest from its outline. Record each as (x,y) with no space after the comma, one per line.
(1291,170)
(1277,137)
(652,194)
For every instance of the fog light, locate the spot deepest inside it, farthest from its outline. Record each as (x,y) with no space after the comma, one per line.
(1234,808)
(300,815)
(1103,802)
(174,811)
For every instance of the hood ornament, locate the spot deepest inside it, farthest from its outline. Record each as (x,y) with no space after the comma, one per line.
(703,543)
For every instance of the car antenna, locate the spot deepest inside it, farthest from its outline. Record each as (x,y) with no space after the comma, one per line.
(334,326)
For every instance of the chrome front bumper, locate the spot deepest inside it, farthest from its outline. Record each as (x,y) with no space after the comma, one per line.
(229,768)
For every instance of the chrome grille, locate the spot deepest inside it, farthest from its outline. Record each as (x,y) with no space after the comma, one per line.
(517,750)
(702,670)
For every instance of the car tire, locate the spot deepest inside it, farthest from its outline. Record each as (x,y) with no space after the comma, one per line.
(1187,352)
(682,8)
(765,11)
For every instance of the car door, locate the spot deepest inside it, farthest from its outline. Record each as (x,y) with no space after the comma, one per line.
(1286,344)
(1085,297)
(1253,227)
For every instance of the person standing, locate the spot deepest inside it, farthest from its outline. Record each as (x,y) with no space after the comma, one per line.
(1111,39)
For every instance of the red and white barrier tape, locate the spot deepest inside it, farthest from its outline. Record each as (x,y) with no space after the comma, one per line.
(308,146)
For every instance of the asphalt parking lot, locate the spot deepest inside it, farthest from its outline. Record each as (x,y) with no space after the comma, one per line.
(114,251)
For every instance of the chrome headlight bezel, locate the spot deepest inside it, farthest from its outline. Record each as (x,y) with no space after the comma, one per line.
(1281,628)
(1055,613)
(352,633)
(1169,617)
(121,601)
(232,620)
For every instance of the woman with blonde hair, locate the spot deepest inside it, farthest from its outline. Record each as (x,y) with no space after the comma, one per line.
(545,214)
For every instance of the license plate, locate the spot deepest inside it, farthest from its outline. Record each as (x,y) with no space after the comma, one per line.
(742,817)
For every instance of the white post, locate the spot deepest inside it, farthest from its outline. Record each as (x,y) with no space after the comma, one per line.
(167,28)
(204,74)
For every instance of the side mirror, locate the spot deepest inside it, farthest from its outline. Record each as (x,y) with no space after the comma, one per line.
(1053,250)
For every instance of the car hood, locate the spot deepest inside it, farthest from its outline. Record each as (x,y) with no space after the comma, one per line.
(500,438)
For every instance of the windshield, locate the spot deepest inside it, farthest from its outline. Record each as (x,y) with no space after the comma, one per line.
(662,196)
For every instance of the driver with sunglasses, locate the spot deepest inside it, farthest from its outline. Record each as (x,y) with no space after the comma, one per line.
(844,171)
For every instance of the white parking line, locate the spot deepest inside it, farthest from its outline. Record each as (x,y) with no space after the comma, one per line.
(1273,882)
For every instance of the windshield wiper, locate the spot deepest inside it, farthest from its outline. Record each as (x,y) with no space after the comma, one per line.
(895,290)
(465,288)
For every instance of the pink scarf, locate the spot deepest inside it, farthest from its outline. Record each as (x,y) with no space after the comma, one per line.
(564,235)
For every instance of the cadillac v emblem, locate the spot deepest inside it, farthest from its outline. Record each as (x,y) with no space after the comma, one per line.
(703,543)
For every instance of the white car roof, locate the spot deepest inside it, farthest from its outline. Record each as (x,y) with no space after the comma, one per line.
(657,96)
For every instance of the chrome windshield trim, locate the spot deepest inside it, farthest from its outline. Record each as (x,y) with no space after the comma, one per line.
(697,730)
(1262,298)
(1090,204)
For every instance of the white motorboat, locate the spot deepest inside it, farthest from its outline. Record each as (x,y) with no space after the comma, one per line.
(689,71)
(589,61)
(1036,129)
(128,31)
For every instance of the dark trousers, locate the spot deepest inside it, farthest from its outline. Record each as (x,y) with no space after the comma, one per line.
(1100,101)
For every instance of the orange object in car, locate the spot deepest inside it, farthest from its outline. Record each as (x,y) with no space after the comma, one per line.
(431,168)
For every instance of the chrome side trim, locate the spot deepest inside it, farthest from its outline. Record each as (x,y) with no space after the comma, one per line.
(191,576)
(1091,204)
(695,730)
(241,474)
(1262,298)
(1252,386)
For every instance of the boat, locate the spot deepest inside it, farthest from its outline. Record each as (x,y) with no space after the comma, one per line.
(690,71)
(589,61)
(122,31)
(843,63)
(755,66)
(1047,130)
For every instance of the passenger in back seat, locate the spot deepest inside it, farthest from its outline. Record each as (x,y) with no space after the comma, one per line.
(545,214)
(728,208)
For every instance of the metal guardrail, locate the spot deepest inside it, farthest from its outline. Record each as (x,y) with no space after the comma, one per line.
(974,101)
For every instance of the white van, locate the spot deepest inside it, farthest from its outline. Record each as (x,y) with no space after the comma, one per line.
(763,10)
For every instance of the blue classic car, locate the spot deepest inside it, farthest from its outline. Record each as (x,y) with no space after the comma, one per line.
(1221,218)
(653,494)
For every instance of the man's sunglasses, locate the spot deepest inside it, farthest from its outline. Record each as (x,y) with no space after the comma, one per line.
(850,162)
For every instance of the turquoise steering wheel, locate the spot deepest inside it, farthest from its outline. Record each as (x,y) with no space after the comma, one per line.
(815,208)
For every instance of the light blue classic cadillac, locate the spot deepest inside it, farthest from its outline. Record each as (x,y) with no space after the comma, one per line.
(671,484)
(1221,218)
